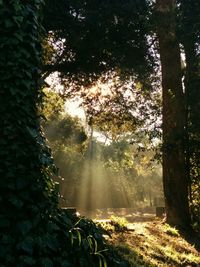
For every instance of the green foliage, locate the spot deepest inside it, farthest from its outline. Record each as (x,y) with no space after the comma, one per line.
(65,130)
(113,225)
(119,223)
(117,167)
(132,172)
(26,189)
(52,105)
(67,139)
(51,244)
(93,48)
(22,141)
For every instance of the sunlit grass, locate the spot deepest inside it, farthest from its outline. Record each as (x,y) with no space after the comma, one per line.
(154,244)
(119,223)
(134,258)
(190,258)
(170,230)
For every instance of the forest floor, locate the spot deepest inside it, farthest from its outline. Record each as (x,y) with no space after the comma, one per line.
(151,243)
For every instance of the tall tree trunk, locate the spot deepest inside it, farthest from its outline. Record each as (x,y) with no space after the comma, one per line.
(174,172)
(192,84)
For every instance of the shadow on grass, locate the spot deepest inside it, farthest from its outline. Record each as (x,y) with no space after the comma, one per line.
(135,259)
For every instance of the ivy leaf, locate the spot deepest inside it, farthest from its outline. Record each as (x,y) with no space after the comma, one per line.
(3,250)
(21,183)
(18,36)
(24,227)
(4,223)
(16,201)
(8,23)
(52,227)
(6,239)
(51,242)
(46,262)
(18,19)
(29,260)
(66,264)
(27,245)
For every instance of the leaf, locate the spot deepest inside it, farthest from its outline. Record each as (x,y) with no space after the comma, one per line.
(4,223)
(51,243)
(24,227)
(71,237)
(74,235)
(18,36)
(21,182)
(66,264)
(102,258)
(7,240)
(16,201)
(3,250)
(92,243)
(46,262)
(8,23)
(52,227)
(27,245)
(78,221)
(18,19)
(29,260)
(100,262)
(79,237)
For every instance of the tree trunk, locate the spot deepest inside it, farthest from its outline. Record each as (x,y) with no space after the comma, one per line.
(174,172)
(192,84)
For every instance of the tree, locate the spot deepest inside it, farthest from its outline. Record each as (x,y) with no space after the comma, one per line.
(174,175)
(89,49)
(67,139)
(189,37)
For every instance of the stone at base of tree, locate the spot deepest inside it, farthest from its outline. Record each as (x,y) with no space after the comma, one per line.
(160,211)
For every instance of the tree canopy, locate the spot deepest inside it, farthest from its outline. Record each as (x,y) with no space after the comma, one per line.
(99,36)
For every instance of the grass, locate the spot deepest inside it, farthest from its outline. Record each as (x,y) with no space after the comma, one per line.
(170,230)
(151,244)
(119,223)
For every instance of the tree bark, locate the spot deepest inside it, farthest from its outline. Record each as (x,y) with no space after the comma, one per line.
(174,171)
(192,84)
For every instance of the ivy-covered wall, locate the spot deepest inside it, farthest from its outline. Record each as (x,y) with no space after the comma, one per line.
(26,190)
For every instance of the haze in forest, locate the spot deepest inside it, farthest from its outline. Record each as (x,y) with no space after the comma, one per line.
(98,171)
